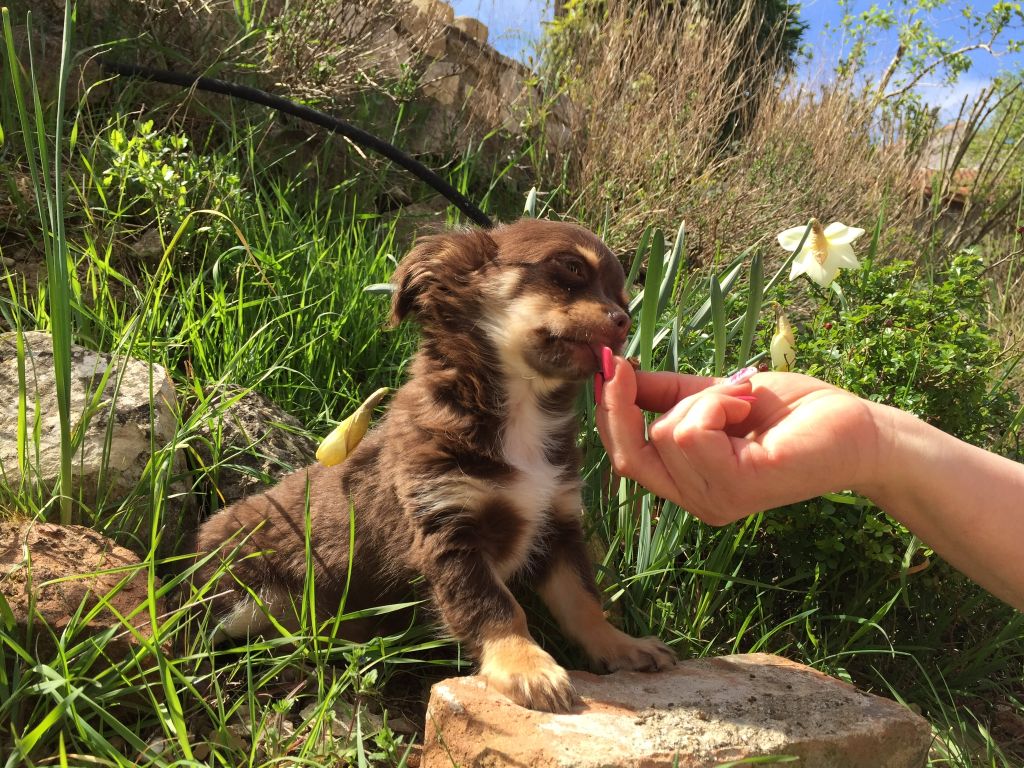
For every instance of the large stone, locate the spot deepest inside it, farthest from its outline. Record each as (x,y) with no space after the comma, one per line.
(256,443)
(59,569)
(702,713)
(471,27)
(441,81)
(425,21)
(392,52)
(120,409)
(433,11)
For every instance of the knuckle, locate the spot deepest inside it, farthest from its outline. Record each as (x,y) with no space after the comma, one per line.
(659,430)
(622,462)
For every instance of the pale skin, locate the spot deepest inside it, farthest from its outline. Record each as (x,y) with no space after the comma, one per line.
(722,457)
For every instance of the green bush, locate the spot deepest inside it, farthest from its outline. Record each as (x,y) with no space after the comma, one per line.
(920,345)
(154,176)
(917,344)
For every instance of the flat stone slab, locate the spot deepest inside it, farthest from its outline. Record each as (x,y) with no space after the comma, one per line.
(702,713)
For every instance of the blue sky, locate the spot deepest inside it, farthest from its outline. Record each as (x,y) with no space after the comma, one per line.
(515,23)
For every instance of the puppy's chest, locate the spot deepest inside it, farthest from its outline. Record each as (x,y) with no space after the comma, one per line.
(536,482)
(537,486)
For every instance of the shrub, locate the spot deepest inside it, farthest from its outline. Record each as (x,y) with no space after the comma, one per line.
(920,345)
(154,177)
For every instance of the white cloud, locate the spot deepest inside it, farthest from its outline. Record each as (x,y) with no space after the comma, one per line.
(949,98)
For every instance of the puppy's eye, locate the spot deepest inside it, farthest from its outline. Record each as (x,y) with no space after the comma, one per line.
(573,269)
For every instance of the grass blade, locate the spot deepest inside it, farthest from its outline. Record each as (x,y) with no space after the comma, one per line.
(649,307)
(638,260)
(717,299)
(754,300)
(702,315)
(672,269)
(51,209)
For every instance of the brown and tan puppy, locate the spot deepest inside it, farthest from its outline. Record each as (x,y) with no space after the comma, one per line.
(472,478)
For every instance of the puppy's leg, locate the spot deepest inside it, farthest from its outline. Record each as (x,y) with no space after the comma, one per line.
(246,617)
(481,612)
(238,569)
(566,585)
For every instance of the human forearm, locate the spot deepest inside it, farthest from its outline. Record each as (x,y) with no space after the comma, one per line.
(964,502)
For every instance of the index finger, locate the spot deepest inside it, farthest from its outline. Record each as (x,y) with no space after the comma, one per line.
(659,391)
(623,428)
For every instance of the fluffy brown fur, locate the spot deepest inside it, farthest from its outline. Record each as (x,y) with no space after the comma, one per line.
(471,480)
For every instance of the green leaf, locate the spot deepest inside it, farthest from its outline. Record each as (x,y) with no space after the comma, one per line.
(717,300)
(649,308)
(702,315)
(754,301)
(638,260)
(668,282)
(6,614)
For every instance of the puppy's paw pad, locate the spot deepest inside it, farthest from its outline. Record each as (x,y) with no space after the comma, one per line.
(638,654)
(527,674)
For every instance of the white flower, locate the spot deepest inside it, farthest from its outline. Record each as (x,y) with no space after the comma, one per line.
(783,345)
(825,252)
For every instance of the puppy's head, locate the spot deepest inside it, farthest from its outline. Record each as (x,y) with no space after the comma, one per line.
(547,295)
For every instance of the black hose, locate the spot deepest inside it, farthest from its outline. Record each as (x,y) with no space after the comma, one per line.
(359,136)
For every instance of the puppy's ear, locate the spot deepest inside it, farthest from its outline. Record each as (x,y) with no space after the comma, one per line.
(434,280)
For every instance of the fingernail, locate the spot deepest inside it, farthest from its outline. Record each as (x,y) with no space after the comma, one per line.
(748,398)
(607,364)
(598,386)
(742,375)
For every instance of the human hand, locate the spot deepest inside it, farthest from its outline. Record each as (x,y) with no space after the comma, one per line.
(722,457)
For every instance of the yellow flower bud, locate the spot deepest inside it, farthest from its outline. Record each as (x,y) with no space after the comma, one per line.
(783,345)
(346,436)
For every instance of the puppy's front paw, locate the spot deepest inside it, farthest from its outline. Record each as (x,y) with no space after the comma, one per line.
(527,674)
(617,650)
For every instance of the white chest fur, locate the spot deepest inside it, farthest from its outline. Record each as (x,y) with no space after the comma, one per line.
(528,432)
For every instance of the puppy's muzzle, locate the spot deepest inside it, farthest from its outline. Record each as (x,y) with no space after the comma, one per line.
(615,329)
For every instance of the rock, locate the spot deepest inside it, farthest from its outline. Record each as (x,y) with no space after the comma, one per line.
(149,247)
(471,27)
(425,21)
(702,713)
(64,566)
(392,52)
(117,426)
(433,11)
(441,82)
(515,94)
(258,443)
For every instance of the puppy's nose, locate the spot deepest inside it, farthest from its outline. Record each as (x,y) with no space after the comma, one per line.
(619,319)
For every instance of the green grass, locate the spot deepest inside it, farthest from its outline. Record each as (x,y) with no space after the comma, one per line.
(260,284)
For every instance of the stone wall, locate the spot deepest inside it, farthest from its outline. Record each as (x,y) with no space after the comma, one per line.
(321,52)
(318,51)
(468,84)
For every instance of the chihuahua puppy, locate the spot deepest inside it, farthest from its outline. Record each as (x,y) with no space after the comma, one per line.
(471,481)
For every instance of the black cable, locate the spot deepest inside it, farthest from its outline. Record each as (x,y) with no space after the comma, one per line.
(333,124)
